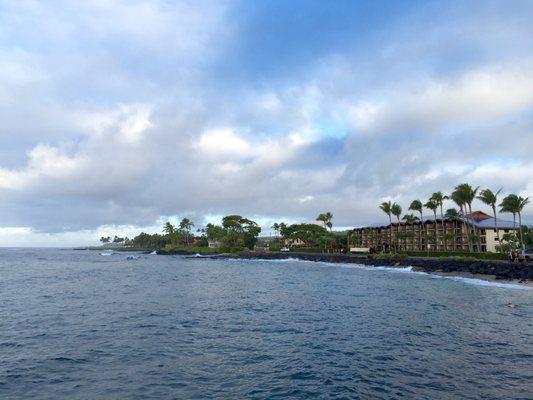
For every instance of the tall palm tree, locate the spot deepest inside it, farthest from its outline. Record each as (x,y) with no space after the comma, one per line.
(433,206)
(522,202)
(410,219)
(515,204)
(490,198)
(439,197)
(386,208)
(326,218)
(416,205)
(275,226)
(186,225)
(469,194)
(169,229)
(396,210)
(458,198)
(452,214)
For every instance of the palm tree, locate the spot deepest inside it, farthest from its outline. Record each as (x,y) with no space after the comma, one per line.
(439,197)
(522,202)
(168,228)
(416,205)
(490,198)
(326,218)
(396,210)
(386,208)
(275,226)
(452,213)
(410,219)
(282,228)
(458,198)
(186,225)
(432,205)
(468,194)
(515,204)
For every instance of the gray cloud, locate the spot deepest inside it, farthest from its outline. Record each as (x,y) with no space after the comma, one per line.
(127,119)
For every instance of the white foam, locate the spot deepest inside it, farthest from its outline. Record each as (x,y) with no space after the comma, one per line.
(107,254)
(481,282)
(153,253)
(406,270)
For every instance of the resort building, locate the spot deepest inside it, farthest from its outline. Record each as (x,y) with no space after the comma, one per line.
(436,235)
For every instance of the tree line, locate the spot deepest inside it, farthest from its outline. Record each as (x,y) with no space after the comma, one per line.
(462,196)
(235,232)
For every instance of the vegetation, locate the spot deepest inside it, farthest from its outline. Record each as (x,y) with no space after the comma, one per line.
(326,218)
(235,234)
(389,256)
(457,254)
(386,207)
(515,204)
(463,196)
(490,198)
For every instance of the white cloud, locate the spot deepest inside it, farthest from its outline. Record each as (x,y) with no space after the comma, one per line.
(148,109)
(222,143)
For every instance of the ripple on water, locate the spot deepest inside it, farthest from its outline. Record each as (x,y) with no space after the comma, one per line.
(81,325)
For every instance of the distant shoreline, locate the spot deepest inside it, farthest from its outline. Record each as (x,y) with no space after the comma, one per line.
(497,270)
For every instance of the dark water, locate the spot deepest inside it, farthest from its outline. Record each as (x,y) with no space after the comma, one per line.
(78,325)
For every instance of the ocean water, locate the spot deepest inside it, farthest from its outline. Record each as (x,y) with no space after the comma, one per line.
(81,325)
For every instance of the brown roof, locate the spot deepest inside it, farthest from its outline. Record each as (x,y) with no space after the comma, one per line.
(478,216)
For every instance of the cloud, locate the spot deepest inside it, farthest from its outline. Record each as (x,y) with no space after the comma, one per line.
(118,115)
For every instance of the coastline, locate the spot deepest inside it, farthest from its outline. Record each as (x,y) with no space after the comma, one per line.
(492,270)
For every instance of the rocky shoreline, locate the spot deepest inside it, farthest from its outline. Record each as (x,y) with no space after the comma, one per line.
(500,270)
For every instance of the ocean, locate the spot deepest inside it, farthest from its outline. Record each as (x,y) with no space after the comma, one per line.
(82,325)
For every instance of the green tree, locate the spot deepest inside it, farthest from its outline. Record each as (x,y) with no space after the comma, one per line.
(186,226)
(468,195)
(386,208)
(240,231)
(169,229)
(416,205)
(439,197)
(410,219)
(453,215)
(515,204)
(326,218)
(310,234)
(396,210)
(459,198)
(433,206)
(490,198)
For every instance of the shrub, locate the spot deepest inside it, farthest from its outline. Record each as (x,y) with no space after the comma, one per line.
(389,256)
(462,254)
(306,250)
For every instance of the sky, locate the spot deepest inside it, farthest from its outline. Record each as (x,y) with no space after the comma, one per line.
(119,115)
